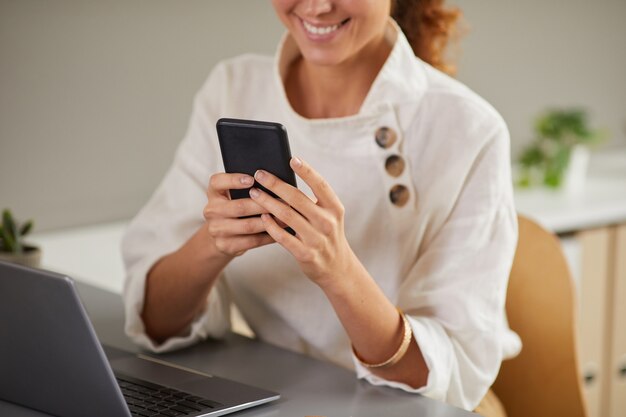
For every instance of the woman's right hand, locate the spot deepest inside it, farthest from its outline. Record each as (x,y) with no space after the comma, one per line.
(231,234)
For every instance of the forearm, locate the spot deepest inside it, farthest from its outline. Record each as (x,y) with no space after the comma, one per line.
(374,326)
(324,255)
(178,285)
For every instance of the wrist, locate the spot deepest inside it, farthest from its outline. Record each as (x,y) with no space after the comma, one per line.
(344,281)
(407,335)
(202,251)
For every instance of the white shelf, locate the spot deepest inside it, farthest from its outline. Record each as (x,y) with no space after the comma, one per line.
(89,254)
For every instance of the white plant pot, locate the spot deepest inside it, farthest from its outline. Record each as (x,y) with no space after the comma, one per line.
(575,175)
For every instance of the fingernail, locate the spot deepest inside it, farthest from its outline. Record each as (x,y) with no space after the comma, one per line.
(247,180)
(259,175)
(254,193)
(297,162)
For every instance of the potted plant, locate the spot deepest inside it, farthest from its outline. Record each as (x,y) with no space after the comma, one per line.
(559,154)
(12,246)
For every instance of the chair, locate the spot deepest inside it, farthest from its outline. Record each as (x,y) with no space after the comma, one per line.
(544,380)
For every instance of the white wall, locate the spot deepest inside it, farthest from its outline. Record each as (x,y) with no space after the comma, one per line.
(525,56)
(95,95)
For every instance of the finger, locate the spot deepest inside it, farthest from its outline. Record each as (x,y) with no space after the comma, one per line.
(324,193)
(241,207)
(284,213)
(235,227)
(221,182)
(280,223)
(288,193)
(282,237)
(234,246)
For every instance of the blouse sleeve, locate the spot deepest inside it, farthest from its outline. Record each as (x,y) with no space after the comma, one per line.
(171,217)
(455,292)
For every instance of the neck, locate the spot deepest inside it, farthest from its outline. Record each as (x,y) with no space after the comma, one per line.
(317,91)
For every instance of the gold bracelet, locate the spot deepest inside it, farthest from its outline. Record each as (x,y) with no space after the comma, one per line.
(395,358)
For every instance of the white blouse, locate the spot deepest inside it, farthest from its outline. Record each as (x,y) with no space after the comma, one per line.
(443,257)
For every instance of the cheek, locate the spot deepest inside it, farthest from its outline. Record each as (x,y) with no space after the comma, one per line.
(371,15)
(366,6)
(376,12)
(283,8)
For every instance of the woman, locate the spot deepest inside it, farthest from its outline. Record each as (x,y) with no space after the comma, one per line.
(404,214)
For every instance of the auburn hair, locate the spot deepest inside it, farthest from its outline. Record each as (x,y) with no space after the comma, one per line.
(429,26)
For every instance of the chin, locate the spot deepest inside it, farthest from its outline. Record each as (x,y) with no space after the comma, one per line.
(326,58)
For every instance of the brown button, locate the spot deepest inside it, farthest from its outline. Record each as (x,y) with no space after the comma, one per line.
(385,137)
(394,165)
(399,195)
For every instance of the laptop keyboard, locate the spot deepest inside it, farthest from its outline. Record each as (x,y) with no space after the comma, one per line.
(145,399)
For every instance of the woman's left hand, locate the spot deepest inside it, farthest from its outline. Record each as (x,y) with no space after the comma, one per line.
(320,245)
(322,250)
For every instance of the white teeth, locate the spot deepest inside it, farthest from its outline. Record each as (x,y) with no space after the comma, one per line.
(320,30)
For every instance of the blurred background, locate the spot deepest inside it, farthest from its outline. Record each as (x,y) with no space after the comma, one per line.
(95,97)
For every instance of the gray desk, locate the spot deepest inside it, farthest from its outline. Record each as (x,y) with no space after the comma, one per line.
(308,387)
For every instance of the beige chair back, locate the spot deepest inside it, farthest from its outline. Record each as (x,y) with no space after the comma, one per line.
(544,380)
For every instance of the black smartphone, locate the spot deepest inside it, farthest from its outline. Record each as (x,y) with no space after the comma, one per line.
(250,145)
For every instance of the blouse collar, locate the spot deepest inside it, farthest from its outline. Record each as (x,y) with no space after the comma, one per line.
(402,78)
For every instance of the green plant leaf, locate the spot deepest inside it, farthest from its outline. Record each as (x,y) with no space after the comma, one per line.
(8,243)
(569,125)
(552,180)
(524,180)
(7,222)
(9,234)
(26,228)
(555,168)
(532,156)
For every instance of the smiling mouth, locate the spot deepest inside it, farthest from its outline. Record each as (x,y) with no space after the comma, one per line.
(323,30)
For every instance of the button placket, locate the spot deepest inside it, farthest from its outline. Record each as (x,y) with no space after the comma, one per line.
(389,140)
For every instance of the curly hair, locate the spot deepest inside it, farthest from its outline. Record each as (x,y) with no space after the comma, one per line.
(429,26)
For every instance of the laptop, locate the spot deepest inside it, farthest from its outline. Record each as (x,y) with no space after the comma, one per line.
(51,361)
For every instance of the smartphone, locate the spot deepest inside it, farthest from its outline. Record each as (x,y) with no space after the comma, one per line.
(250,145)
